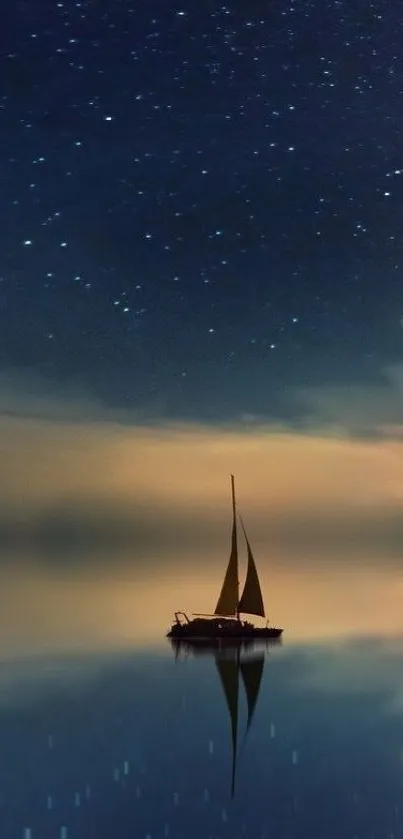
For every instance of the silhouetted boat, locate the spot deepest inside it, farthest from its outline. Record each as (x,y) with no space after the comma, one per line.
(226,622)
(231,666)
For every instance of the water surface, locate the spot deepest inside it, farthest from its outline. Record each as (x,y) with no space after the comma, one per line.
(137,743)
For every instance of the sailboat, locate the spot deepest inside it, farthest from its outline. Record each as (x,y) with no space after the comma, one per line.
(226,622)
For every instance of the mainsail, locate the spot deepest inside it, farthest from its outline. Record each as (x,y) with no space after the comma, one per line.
(228,599)
(251,602)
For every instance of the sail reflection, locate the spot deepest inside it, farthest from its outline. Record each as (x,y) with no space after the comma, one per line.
(233,666)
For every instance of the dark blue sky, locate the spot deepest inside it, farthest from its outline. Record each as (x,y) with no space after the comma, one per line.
(201,204)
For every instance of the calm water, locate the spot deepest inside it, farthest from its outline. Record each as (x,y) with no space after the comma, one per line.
(138,744)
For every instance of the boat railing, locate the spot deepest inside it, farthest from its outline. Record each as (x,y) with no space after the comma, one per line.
(179,615)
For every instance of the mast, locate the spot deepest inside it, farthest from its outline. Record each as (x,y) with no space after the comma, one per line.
(228,600)
(235,540)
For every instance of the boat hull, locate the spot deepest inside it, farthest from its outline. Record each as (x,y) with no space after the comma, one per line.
(191,633)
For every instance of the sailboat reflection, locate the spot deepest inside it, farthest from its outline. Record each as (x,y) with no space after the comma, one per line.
(232,666)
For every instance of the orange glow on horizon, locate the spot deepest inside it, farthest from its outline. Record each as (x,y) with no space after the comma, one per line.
(190,466)
(176,480)
(43,613)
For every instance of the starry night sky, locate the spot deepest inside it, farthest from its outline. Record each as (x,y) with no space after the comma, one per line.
(201,204)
